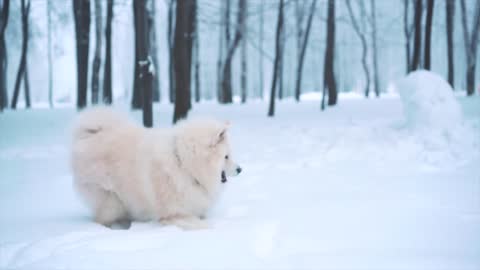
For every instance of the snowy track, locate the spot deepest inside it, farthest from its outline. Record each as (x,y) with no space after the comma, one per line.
(349,188)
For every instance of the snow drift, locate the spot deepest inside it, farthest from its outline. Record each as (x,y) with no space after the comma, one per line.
(435,117)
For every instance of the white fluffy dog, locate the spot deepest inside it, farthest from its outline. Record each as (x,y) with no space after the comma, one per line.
(126,172)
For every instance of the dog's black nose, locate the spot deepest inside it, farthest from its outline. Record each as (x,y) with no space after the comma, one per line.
(239,170)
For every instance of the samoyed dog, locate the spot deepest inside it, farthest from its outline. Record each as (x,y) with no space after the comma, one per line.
(125,172)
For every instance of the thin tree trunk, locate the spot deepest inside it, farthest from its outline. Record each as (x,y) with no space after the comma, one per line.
(428,34)
(107,77)
(243,79)
(4,11)
(363,39)
(97,53)
(25,10)
(182,51)
(137,94)
(450,15)
(302,50)
(154,51)
(261,91)
(271,108)
(227,96)
(81,10)
(329,82)
(407,30)
(171,71)
(418,35)
(376,80)
(299,15)
(471,44)
(220,50)
(145,79)
(26,85)
(196,53)
(280,63)
(49,50)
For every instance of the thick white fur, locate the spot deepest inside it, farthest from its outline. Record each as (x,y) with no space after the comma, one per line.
(126,172)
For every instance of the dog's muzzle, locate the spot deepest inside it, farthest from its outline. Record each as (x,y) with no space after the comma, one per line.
(224,177)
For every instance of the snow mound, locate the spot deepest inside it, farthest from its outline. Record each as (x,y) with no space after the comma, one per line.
(428,101)
(434,116)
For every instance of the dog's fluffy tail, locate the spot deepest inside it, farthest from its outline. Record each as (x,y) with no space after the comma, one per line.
(98,120)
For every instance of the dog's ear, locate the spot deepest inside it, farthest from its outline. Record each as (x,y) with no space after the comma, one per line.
(220,137)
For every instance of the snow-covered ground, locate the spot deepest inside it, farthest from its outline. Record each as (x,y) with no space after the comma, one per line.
(353,187)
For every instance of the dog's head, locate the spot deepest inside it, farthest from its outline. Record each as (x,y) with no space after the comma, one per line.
(204,150)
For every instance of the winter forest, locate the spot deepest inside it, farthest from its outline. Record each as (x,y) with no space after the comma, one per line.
(356,124)
(89,52)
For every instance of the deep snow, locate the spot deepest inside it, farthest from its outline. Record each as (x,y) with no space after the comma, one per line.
(349,188)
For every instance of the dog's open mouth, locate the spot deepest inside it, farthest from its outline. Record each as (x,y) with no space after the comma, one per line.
(224,177)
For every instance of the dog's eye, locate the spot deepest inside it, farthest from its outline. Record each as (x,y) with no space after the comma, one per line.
(226,157)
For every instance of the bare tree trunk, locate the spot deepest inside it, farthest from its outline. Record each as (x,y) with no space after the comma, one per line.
(329,82)
(376,80)
(154,50)
(49,50)
(25,11)
(407,30)
(471,44)
(182,51)
(418,36)
(243,79)
(363,39)
(26,85)
(302,49)
(137,95)
(271,108)
(428,34)
(97,53)
(171,71)
(299,16)
(107,77)
(196,53)
(261,91)
(145,79)
(450,15)
(220,50)
(4,11)
(280,63)
(81,11)
(227,96)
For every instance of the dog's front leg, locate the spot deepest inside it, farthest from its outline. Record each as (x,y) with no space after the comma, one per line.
(186,222)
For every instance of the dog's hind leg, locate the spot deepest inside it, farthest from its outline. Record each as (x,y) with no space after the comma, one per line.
(111,211)
(107,207)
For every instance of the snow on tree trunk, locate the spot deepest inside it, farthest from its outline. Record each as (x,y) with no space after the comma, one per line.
(152,14)
(144,65)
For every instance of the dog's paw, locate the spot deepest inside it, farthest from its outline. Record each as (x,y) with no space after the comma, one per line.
(188,223)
